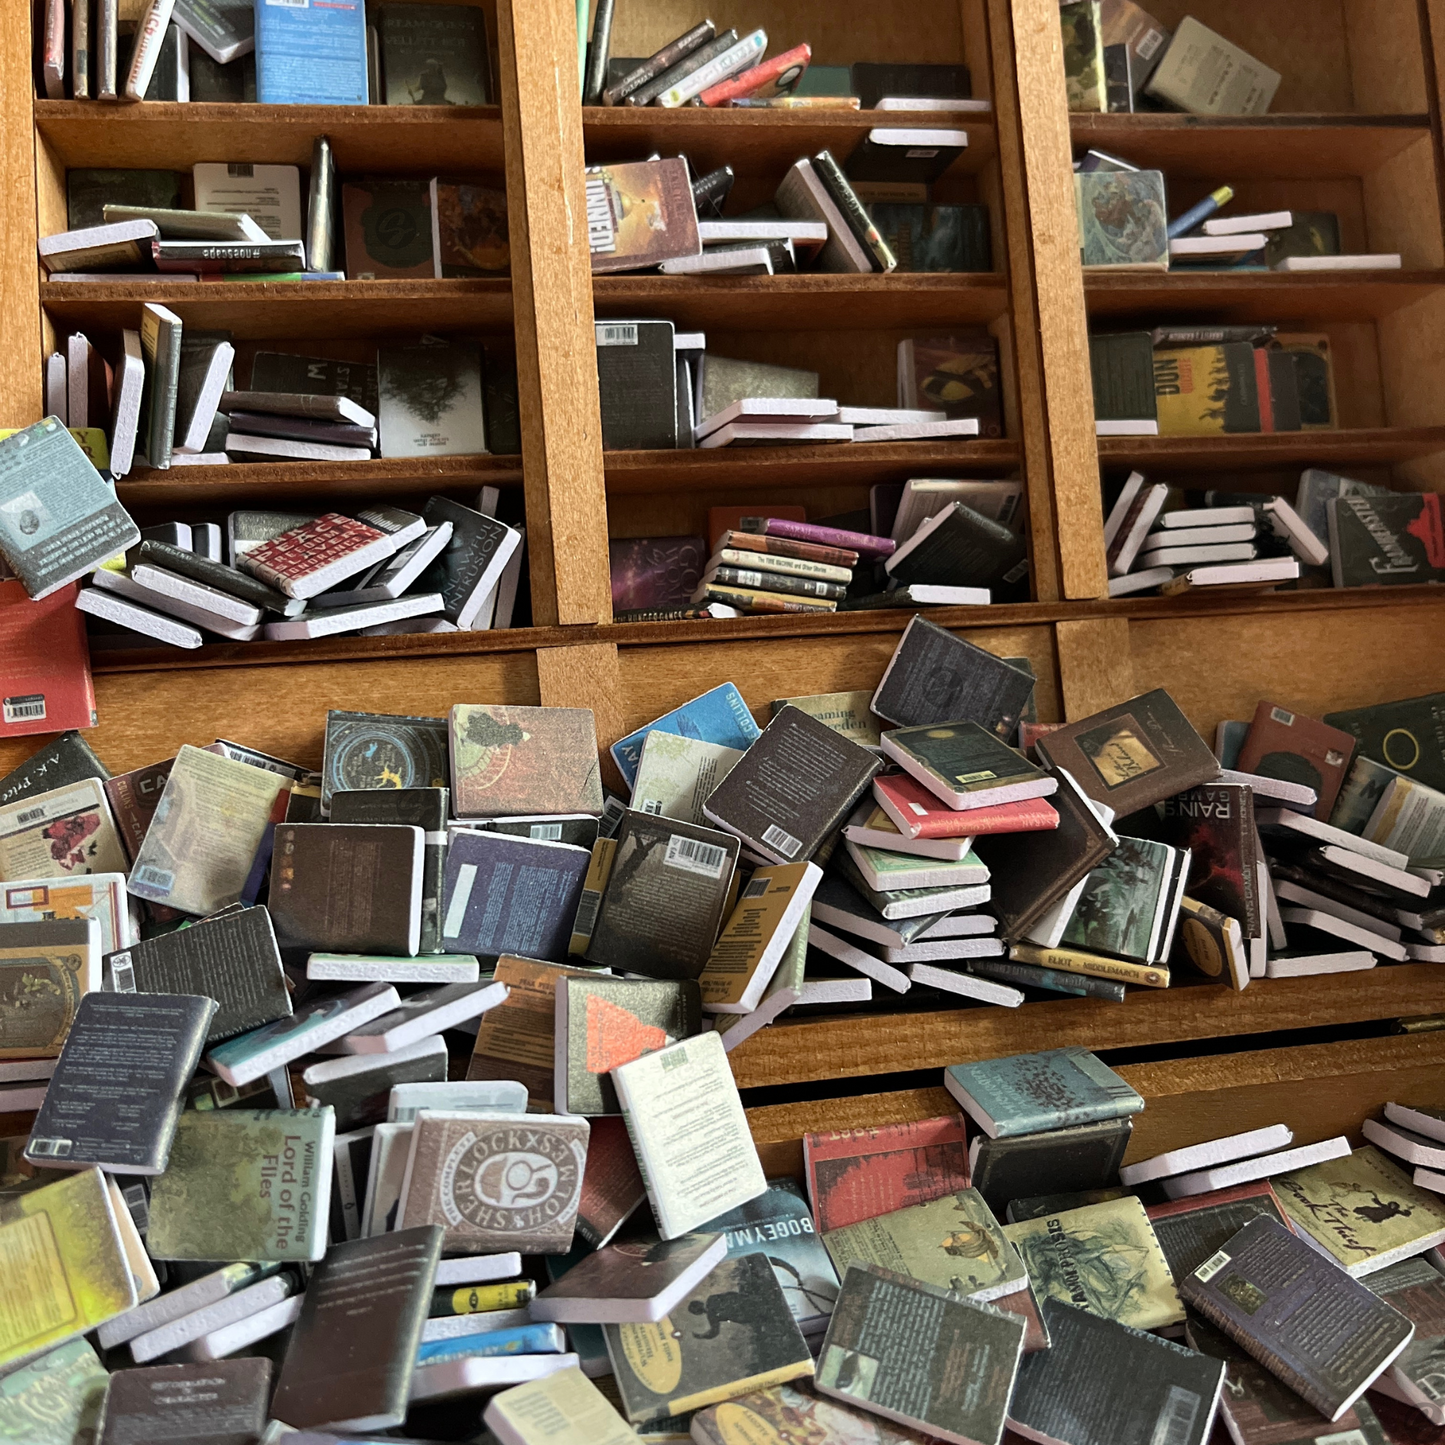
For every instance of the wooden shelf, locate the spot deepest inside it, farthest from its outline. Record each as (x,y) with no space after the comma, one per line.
(394,139)
(1273,146)
(1229,296)
(1361,447)
(807,302)
(766,141)
(257,310)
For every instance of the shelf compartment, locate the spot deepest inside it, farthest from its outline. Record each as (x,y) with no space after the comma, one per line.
(1245,296)
(1359,447)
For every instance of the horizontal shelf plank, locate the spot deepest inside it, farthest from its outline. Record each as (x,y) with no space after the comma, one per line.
(808,302)
(1249,296)
(764,140)
(1298,146)
(258,310)
(400,139)
(1360,447)
(848,1046)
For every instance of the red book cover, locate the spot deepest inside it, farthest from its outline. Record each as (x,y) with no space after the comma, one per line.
(45,684)
(1298,749)
(294,560)
(858,1174)
(612,1184)
(916,813)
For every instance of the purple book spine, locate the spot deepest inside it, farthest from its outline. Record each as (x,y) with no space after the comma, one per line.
(859,542)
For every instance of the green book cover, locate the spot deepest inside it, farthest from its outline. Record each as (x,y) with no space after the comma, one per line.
(1123,219)
(954,1243)
(1122,901)
(55,1400)
(951,872)
(962,757)
(1408,736)
(245,1184)
(1084,81)
(847,713)
(1122,364)
(895,904)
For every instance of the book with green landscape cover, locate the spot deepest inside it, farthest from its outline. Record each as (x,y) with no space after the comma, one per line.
(966,765)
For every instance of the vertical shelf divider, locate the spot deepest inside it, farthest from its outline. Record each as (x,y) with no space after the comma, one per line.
(21,395)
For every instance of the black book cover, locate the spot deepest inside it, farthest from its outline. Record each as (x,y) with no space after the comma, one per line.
(1100,1383)
(65,759)
(316,376)
(909,164)
(940,238)
(376,750)
(232,958)
(1122,364)
(499,402)
(348,887)
(216,574)
(1393,541)
(116,1092)
(1408,736)
(664,901)
(872,80)
(793,788)
(1215,821)
(1192,1230)
(507,894)
(1030,872)
(935,677)
(1059,1161)
(855,214)
(468,567)
(360,1098)
(302,429)
(434,54)
(960,548)
(1284,390)
(222,1402)
(424,808)
(352,1353)
(637,384)
(579,831)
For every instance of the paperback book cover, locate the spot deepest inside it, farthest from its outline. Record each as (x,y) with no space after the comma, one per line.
(1417,1291)
(640,213)
(469,239)
(1214,822)
(46,969)
(388,228)
(718,716)
(430,398)
(378,750)
(1298,749)
(1034,1093)
(510,761)
(957,375)
(312,55)
(1408,736)
(794,1412)
(655,571)
(65,759)
(1207,390)
(1128,903)
(1190,1230)
(64,832)
(434,55)
(47,660)
(845,712)
(964,763)
(677,775)
(1122,219)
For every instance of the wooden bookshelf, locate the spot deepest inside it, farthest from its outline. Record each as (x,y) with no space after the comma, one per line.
(1356,129)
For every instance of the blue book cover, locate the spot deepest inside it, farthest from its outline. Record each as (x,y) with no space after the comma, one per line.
(311,52)
(505,894)
(1033,1093)
(522,1340)
(720,716)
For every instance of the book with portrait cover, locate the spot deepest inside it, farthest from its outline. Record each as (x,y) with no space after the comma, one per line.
(511,761)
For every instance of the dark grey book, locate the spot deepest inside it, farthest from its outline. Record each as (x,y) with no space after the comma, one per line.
(65,759)
(1311,1325)
(230,84)
(664,900)
(578,829)
(927,238)
(471,564)
(594,75)
(1122,364)
(351,1356)
(839,903)
(854,212)
(424,808)
(89,190)
(1192,1230)
(602,1022)
(434,54)
(694,59)
(1054,980)
(505,894)
(499,395)
(935,677)
(375,750)
(1389,541)
(348,887)
(902,163)
(218,575)
(922,1356)
(1101,1383)
(1058,1161)
(302,429)
(637,385)
(206,358)
(229,257)
(319,375)
(624,77)
(958,547)
(223,29)
(233,958)
(221,1402)
(793,788)
(358,1086)
(116,1093)
(873,80)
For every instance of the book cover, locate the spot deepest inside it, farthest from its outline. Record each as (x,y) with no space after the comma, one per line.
(1391,541)
(1214,823)
(1417,1291)
(957,375)
(921,1356)
(47,684)
(1253,1289)
(115,1096)
(1201,71)
(637,382)
(368,750)
(964,763)
(612,1187)
(350,1358)
(65,759)
(717,716)
(564,1408)
(46,969)
(1122,367)
(1408,736)
(507,895)
(847,713)
(388,227)
(794,1412)
(953,1242)
(65,831)
(1126,904)
(1206,390)
(56,1399)
(603,1022)
(665,898)
(314,557)
(493,1183)
(1122,220)
(311,55)
(771,907)
(928,238)
(244,1184)
(858,1174)
(1362,1210)
(220,1400)
(434,55)
(1084,81)
(315,376)
(917,813)
(357,1086)
(1074,1160)
(640,213)
(100,896)
(677,775)
(610,1285)
(430,398)
(655,571)
(1133,755)
(958,547)
(1190,1230)
(508,761)
(1298,749)
(733,1333)
(469,235)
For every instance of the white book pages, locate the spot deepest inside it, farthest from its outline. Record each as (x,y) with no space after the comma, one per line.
(1302,966)
(855,958)
(1416,1120)
(945,950)
(967,984)
(1203,1181)
(478,1269)
(367,968)
(1404,1143)
(1203,1156)
(475,1372)
(239,1306)
(1349,932)
(230,1338)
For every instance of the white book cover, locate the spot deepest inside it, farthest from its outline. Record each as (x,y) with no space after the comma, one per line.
(1433,1180)
(1172,556)
(1140,581)
(212,600)
(1404,1143)
(242,444)
(800,409)
(1290,527)
(227,1340)
(1130,490)
(350,1065)
(1283,820)
(478,1269)
(1125,427)
(390,1147)
(372,968)
(269,194)
(836,990)
(885,416)
(967,984)
(1426,952)
(1204,1181)
(1214,1152)
(1340,263)
(744,433)
(1200,536)
(1130,537)
(456,1327)
(742,56)
(496,1096)
(1306,965)
(21,1098)
(945,950)
(1401,879)
(336,620)
(924,102)
(57,386)
(918,431)
(99,603)
(1302,897)
(1259,221)
(745,261)
(420,1020)
(855,958)
(1189,517)
(912,139)
(1234,244)
(1296,796)
(961,925)
(173,1305)
(1271,570)
(27,1070)
(239,1306)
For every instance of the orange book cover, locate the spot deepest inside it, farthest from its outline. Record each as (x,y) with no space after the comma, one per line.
(45,683)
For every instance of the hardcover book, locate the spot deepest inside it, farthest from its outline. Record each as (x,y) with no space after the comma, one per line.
(219,1400)
(718,716)
(750,1340)
(510,895)
(508,761)
(859,1174)
(1074,1160)
(493,1183)
(312,558)
(957,547)
(921,1356)
(434,55)
(919,815)
(1298,749)
(116,1093)
(936,238)
(368,750)
(603,1022)
(244,1183)
(1084,77)
(1134,755)
(637,377)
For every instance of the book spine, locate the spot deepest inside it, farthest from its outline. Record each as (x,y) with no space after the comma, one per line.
(854,213)
(691,62)
(758,76)
(737,57)
(776,565)
(149,37)
(596,76)
(751,601)
(778,582)
(824,536)
(782,547)
(80,52)
(656,65)
(165,380)
(52,60)
(1094,965)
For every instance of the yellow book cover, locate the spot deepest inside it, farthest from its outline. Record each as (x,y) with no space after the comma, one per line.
(594,885)
(755,937)
(1103,1258)
(1203,391)
(848,713)
(1362,1209)
(1094,965)
(62,1262)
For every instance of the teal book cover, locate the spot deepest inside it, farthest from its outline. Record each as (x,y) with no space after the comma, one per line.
(1032,1093)
(720,716)
(1121,908)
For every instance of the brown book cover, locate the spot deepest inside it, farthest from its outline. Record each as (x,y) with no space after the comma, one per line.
(612,1186)
(640,213)
(1298,749)
(511,761)
(1133,755)
(133,798)
(469,230)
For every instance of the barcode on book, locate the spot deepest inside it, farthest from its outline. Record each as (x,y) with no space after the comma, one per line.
(122,974)
(25,709)
(652,805)
(756,888)
(30,815)
(695,857)
(622,333)
(601,226)
(1211,1267)
(586,919)
(782,840)
(49,1148)
(138,1205)
(149,876)
(1176,1420)
(613,812)
(550,832)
